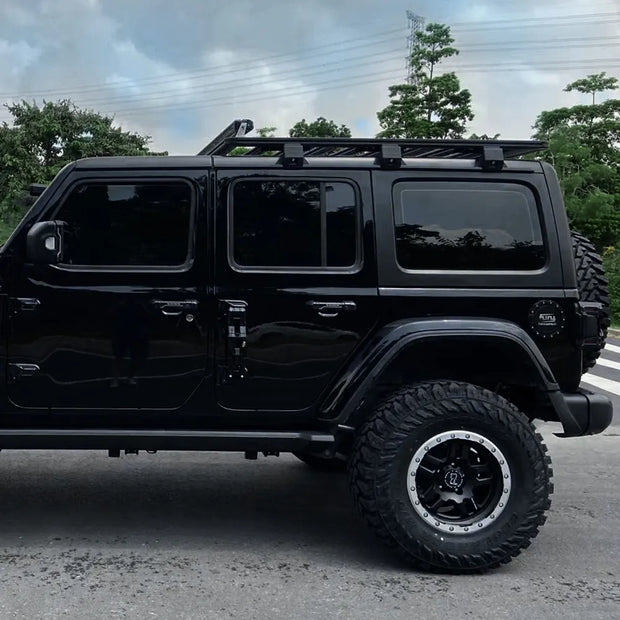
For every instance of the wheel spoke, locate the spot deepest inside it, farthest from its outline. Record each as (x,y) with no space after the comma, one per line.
(426,469)
(462,509)
(434,460)
(425,491)
(454,450)
(480,467)
(464,450)
(434,505)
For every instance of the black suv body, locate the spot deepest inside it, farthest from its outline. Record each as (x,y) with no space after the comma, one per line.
(291,299)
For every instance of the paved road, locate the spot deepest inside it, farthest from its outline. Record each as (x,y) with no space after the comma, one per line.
(194,535)
(605,376)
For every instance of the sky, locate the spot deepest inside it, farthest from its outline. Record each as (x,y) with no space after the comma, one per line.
(181,71)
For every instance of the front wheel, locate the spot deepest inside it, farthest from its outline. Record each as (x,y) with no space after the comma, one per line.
(452,476)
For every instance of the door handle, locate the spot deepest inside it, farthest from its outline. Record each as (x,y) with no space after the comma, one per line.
(174,308)
(331,309)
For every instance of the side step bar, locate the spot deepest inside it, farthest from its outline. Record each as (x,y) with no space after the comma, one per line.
(128,439)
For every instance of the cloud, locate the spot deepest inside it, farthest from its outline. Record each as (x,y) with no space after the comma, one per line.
(182,72)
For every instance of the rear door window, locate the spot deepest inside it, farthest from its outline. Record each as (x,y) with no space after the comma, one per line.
(467,226)
(294,225)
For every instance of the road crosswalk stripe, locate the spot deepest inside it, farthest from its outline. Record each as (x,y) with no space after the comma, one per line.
(612,347)
(602,383)
(601,361)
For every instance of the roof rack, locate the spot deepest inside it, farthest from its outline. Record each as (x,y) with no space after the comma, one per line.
(236,129)
(389,153)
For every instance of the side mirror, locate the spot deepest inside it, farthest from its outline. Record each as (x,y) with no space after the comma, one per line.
(44,243)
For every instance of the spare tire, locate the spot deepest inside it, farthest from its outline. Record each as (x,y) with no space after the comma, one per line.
(592,286)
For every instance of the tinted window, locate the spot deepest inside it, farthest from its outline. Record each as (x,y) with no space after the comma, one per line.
(127,224)
(467,226)
(293,224)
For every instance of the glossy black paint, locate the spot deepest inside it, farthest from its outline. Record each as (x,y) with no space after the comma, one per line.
(392,339)
(304,370)
(103,338)
(292,352)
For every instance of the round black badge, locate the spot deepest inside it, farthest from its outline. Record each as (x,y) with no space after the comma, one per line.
(546,318)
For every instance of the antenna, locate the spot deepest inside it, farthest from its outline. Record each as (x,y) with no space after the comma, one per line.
(416,24)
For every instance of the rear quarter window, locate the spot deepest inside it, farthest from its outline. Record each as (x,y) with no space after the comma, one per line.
(467,226)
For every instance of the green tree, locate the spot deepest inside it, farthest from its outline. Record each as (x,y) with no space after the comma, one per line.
(320,128)
(584,149)
(43,139)
(433,105)
(593,83)
(484,136)
(266,132)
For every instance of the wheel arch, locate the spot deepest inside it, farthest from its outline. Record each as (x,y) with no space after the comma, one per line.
(480,351)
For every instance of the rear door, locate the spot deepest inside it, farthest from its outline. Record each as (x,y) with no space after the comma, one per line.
(296,283)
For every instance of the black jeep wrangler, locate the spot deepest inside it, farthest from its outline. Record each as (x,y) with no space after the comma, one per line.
(404,308)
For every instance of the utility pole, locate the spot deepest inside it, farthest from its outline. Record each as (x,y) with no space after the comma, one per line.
(416,24)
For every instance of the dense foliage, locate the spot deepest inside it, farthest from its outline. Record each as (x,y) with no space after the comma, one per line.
(41,140)
(584,148)
(320,128)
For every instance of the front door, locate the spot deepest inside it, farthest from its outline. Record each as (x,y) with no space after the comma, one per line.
(122,322)
(296,284)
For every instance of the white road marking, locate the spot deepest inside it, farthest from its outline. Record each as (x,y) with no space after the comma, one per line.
(603,384)
(601,361)
(612,347)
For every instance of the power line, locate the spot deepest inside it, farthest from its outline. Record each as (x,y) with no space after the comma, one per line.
(314,69)
(334,84)
(337,65)
(228,68)
(279,58)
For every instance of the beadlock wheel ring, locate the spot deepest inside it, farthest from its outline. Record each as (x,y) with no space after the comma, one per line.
(449,464)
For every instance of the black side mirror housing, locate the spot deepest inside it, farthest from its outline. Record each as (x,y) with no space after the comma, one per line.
(44,243)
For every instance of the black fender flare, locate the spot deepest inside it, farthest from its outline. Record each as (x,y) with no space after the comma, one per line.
(348,393)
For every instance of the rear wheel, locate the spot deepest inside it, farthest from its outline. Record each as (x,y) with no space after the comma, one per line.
(452,476)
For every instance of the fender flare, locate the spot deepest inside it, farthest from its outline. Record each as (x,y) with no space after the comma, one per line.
(348,393)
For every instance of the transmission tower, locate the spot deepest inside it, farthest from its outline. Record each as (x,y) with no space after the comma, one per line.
(416,24)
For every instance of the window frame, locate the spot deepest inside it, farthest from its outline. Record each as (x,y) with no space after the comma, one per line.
(322,181)
(531,196)
(191,232)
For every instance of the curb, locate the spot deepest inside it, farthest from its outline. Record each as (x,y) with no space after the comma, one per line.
(615,333)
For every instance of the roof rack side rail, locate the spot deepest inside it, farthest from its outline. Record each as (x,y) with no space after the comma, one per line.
(237,129)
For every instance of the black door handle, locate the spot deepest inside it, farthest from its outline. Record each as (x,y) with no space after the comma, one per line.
(331,309)
(174,308)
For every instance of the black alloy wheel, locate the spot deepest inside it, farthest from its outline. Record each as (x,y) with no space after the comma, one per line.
(452,476)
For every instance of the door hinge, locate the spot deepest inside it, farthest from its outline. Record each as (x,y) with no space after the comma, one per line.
(236,338)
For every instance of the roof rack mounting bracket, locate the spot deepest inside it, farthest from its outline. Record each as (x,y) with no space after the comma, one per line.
(491,158)
(390,156)
(292,155)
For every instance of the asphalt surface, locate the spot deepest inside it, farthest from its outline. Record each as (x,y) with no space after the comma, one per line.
(191,535)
